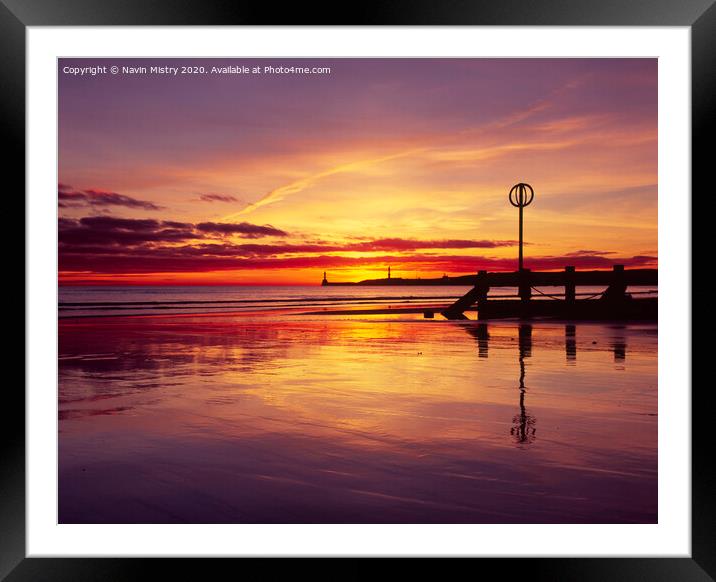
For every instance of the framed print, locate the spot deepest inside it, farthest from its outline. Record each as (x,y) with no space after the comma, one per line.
(417,285)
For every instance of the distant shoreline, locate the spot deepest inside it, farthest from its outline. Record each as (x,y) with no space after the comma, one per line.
(511,279)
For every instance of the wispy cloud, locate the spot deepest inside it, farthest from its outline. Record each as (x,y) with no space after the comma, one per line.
(296,186)
(109,230)
(440,148)
(243,229)
(213,197)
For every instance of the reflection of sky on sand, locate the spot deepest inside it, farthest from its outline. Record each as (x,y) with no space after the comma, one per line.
(221,419)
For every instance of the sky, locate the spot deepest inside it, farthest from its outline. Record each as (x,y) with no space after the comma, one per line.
(275,177)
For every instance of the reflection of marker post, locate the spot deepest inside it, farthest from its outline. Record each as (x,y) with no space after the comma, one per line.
(521,195)
(523,429)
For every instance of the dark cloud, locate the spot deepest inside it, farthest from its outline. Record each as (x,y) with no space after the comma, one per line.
(110,230)
(382,245)
(75,198)
(111,245)
(174,224)
(204,258)
(211,197)
(399,244)
(112,223)
(96,229)
(587,253)
(244,229)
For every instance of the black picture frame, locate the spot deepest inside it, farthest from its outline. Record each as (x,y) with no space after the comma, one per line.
(16,15)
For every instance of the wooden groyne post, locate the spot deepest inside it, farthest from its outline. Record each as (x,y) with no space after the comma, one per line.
(524,288)
(570,287)
(478,294)
(618,286)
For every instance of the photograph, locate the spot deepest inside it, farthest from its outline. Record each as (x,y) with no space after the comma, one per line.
(357,290)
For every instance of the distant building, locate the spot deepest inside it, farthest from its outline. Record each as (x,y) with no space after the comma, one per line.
(388,272)
(325,280)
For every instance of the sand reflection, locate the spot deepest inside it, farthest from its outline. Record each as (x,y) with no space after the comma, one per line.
(229,419)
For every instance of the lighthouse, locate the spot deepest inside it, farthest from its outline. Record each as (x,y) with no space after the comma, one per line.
(325,281)
(388,272)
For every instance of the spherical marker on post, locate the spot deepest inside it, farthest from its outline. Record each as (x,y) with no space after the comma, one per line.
(521,195)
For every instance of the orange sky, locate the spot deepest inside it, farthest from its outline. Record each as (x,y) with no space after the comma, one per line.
(272,179)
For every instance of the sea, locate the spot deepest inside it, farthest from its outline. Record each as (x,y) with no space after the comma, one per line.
(148,300)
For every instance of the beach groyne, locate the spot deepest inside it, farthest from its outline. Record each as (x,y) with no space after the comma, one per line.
(612,303)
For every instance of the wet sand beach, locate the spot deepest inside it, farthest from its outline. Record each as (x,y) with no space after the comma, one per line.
(286,418)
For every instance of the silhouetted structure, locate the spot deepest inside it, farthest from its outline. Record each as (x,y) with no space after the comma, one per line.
(524,290)
(570,286)
(614,303)
(325,280)
(616,291)
(478,294)
(521,195)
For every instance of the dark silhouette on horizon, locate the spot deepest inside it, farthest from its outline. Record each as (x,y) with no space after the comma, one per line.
(592,277)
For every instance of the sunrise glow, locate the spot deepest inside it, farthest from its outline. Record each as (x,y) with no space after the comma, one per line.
(272,180)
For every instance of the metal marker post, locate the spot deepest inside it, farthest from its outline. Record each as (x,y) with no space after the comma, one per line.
(521,195)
